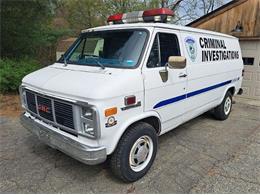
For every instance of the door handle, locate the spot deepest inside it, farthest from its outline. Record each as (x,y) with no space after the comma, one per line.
(183,75)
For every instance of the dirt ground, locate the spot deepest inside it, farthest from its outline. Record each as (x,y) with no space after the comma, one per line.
(201,156)
(10,105)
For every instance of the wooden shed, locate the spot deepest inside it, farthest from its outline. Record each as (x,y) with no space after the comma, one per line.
(240,18)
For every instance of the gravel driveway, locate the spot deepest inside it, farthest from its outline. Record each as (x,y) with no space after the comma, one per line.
(201,156)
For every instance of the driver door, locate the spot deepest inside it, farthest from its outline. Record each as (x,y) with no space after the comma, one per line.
(165,97)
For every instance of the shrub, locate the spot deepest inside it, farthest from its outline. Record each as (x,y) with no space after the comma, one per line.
(12,72)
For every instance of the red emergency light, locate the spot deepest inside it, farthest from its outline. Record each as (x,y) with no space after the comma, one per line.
(163,15)
(157,12)
(115,18)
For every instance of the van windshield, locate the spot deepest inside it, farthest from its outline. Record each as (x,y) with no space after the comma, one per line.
(116,48)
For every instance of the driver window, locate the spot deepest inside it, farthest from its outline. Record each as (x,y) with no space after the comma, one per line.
(165,45)
(153,60)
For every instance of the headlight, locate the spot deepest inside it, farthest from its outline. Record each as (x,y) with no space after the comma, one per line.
(88,129)
(89,122)
(23,97)
(87,113)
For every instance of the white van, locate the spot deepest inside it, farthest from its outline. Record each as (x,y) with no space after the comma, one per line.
(120,86)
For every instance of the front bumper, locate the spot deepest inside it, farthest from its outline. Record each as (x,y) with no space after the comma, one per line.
(86,154)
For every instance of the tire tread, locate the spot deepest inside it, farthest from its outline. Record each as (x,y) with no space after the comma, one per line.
(219,113)
(115,163)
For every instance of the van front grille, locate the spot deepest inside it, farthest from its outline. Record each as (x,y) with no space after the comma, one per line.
(31,102)
(64,114)
(44,107)
(57,111)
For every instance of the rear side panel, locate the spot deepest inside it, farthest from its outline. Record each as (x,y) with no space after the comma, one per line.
(214,64)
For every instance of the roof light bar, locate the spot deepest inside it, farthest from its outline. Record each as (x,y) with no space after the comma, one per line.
(115,19)
(160,11)
(153,15)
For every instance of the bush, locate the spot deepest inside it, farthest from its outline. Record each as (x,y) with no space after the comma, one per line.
(12,72)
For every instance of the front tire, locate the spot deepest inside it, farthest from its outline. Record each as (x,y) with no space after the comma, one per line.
(222,111)
(135,152)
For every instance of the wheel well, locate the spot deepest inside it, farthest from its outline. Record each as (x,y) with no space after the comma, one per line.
(152,120)
(232,90)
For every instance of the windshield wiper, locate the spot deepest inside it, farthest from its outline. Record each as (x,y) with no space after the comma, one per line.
(97,61)
(101,65)
(91,55)
(65,60)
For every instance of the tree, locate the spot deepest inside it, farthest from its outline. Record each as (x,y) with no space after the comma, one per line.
(26,26)
(83,14)
(122,6)
(189,10)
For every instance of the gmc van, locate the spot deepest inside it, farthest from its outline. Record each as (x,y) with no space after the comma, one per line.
(120,86)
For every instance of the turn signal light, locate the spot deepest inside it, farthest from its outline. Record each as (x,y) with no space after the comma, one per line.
(110,111)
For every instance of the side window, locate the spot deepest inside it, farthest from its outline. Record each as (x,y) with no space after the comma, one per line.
(153,60)
(165,45)
(169,46)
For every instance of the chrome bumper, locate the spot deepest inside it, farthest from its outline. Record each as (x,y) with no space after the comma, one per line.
(79,151)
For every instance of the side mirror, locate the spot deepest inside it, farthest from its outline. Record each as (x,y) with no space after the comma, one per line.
(177,62)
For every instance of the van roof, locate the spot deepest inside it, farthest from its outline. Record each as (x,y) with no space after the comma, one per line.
(158,25)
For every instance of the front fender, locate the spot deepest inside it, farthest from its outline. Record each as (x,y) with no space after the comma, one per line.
(113,141)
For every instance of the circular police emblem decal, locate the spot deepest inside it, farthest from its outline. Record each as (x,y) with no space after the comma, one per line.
(191,47)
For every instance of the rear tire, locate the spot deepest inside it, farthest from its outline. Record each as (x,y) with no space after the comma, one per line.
(222,111)
(135,152)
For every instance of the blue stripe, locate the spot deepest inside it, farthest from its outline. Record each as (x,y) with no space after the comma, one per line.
(207,89)
(170,101)
(191,94)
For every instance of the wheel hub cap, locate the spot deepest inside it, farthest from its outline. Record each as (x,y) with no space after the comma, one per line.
(227,105)
(141,153)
